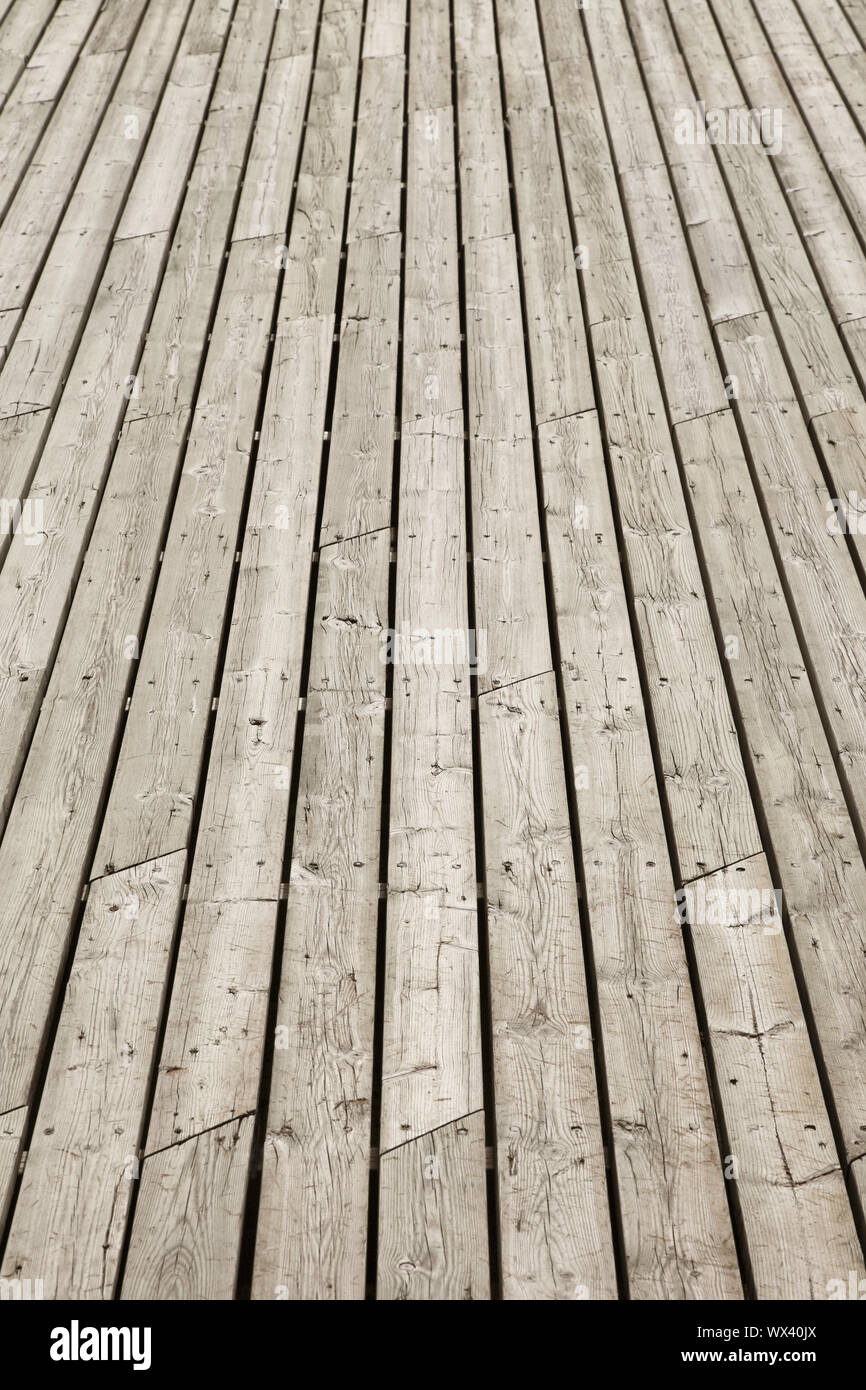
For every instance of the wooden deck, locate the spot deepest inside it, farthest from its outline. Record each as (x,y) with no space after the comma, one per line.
(433,648)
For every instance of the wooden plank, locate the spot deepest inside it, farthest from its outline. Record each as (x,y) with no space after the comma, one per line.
(50,829)
(309,1142)
(855,12)
(820,868)
(68,479)
(225,962)
(32,215)
(705,783)
(813,197)
(272,162)
(374,209)
(434,1245)
(186,1193)
(798,1222)
(211,1056)
(12,1126)
(561,379)
(831,29)
(431,1068)
(37,580)
(431,1071)
(162,176)
(86,1139)
(26,113)
(313,1210)
(152,795)
(845,57)
(675,1223)
(385,30)
(54,239)
(153,801)
(727,282)
(313,259)
(50,836)
(805,326)
(312,1233)
(826,590)
(360,461)
(486,207)
(430,60)
(688,369)
(22,437)
(167,375)
(555,1234)
(432,384)
(833,127)
(361,458)
(509,579)
(22,28)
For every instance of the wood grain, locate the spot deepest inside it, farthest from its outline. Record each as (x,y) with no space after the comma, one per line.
(85,1146)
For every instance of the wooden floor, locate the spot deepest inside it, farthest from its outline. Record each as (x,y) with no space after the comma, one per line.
(433,648)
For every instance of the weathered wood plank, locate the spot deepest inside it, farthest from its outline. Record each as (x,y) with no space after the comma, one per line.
(432,1058)
(211,1056)
(71,471)
(433,1244)
(817,359)
(63,286)
(855,11)
(12,1126)
(361,458)
(705,783)
(272,163)
(152,795)
(215,1036)
(31,217)
(814,199)
(561,379)
(187,1193)
(374,209)
(313,1211)
(820,868)
(555,1233)
(689,372)
(809,534)
(85,1143)
(152,801)
(431,1071)
(26,113)
(167,375)
(675,1223)
(508,574)
(50,834)
(19,36)
(37,580)
(50,830)
(798,1223)
(834,129)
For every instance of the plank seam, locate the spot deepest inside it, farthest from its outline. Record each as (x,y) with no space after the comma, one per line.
(446,1124)
(188,1138)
